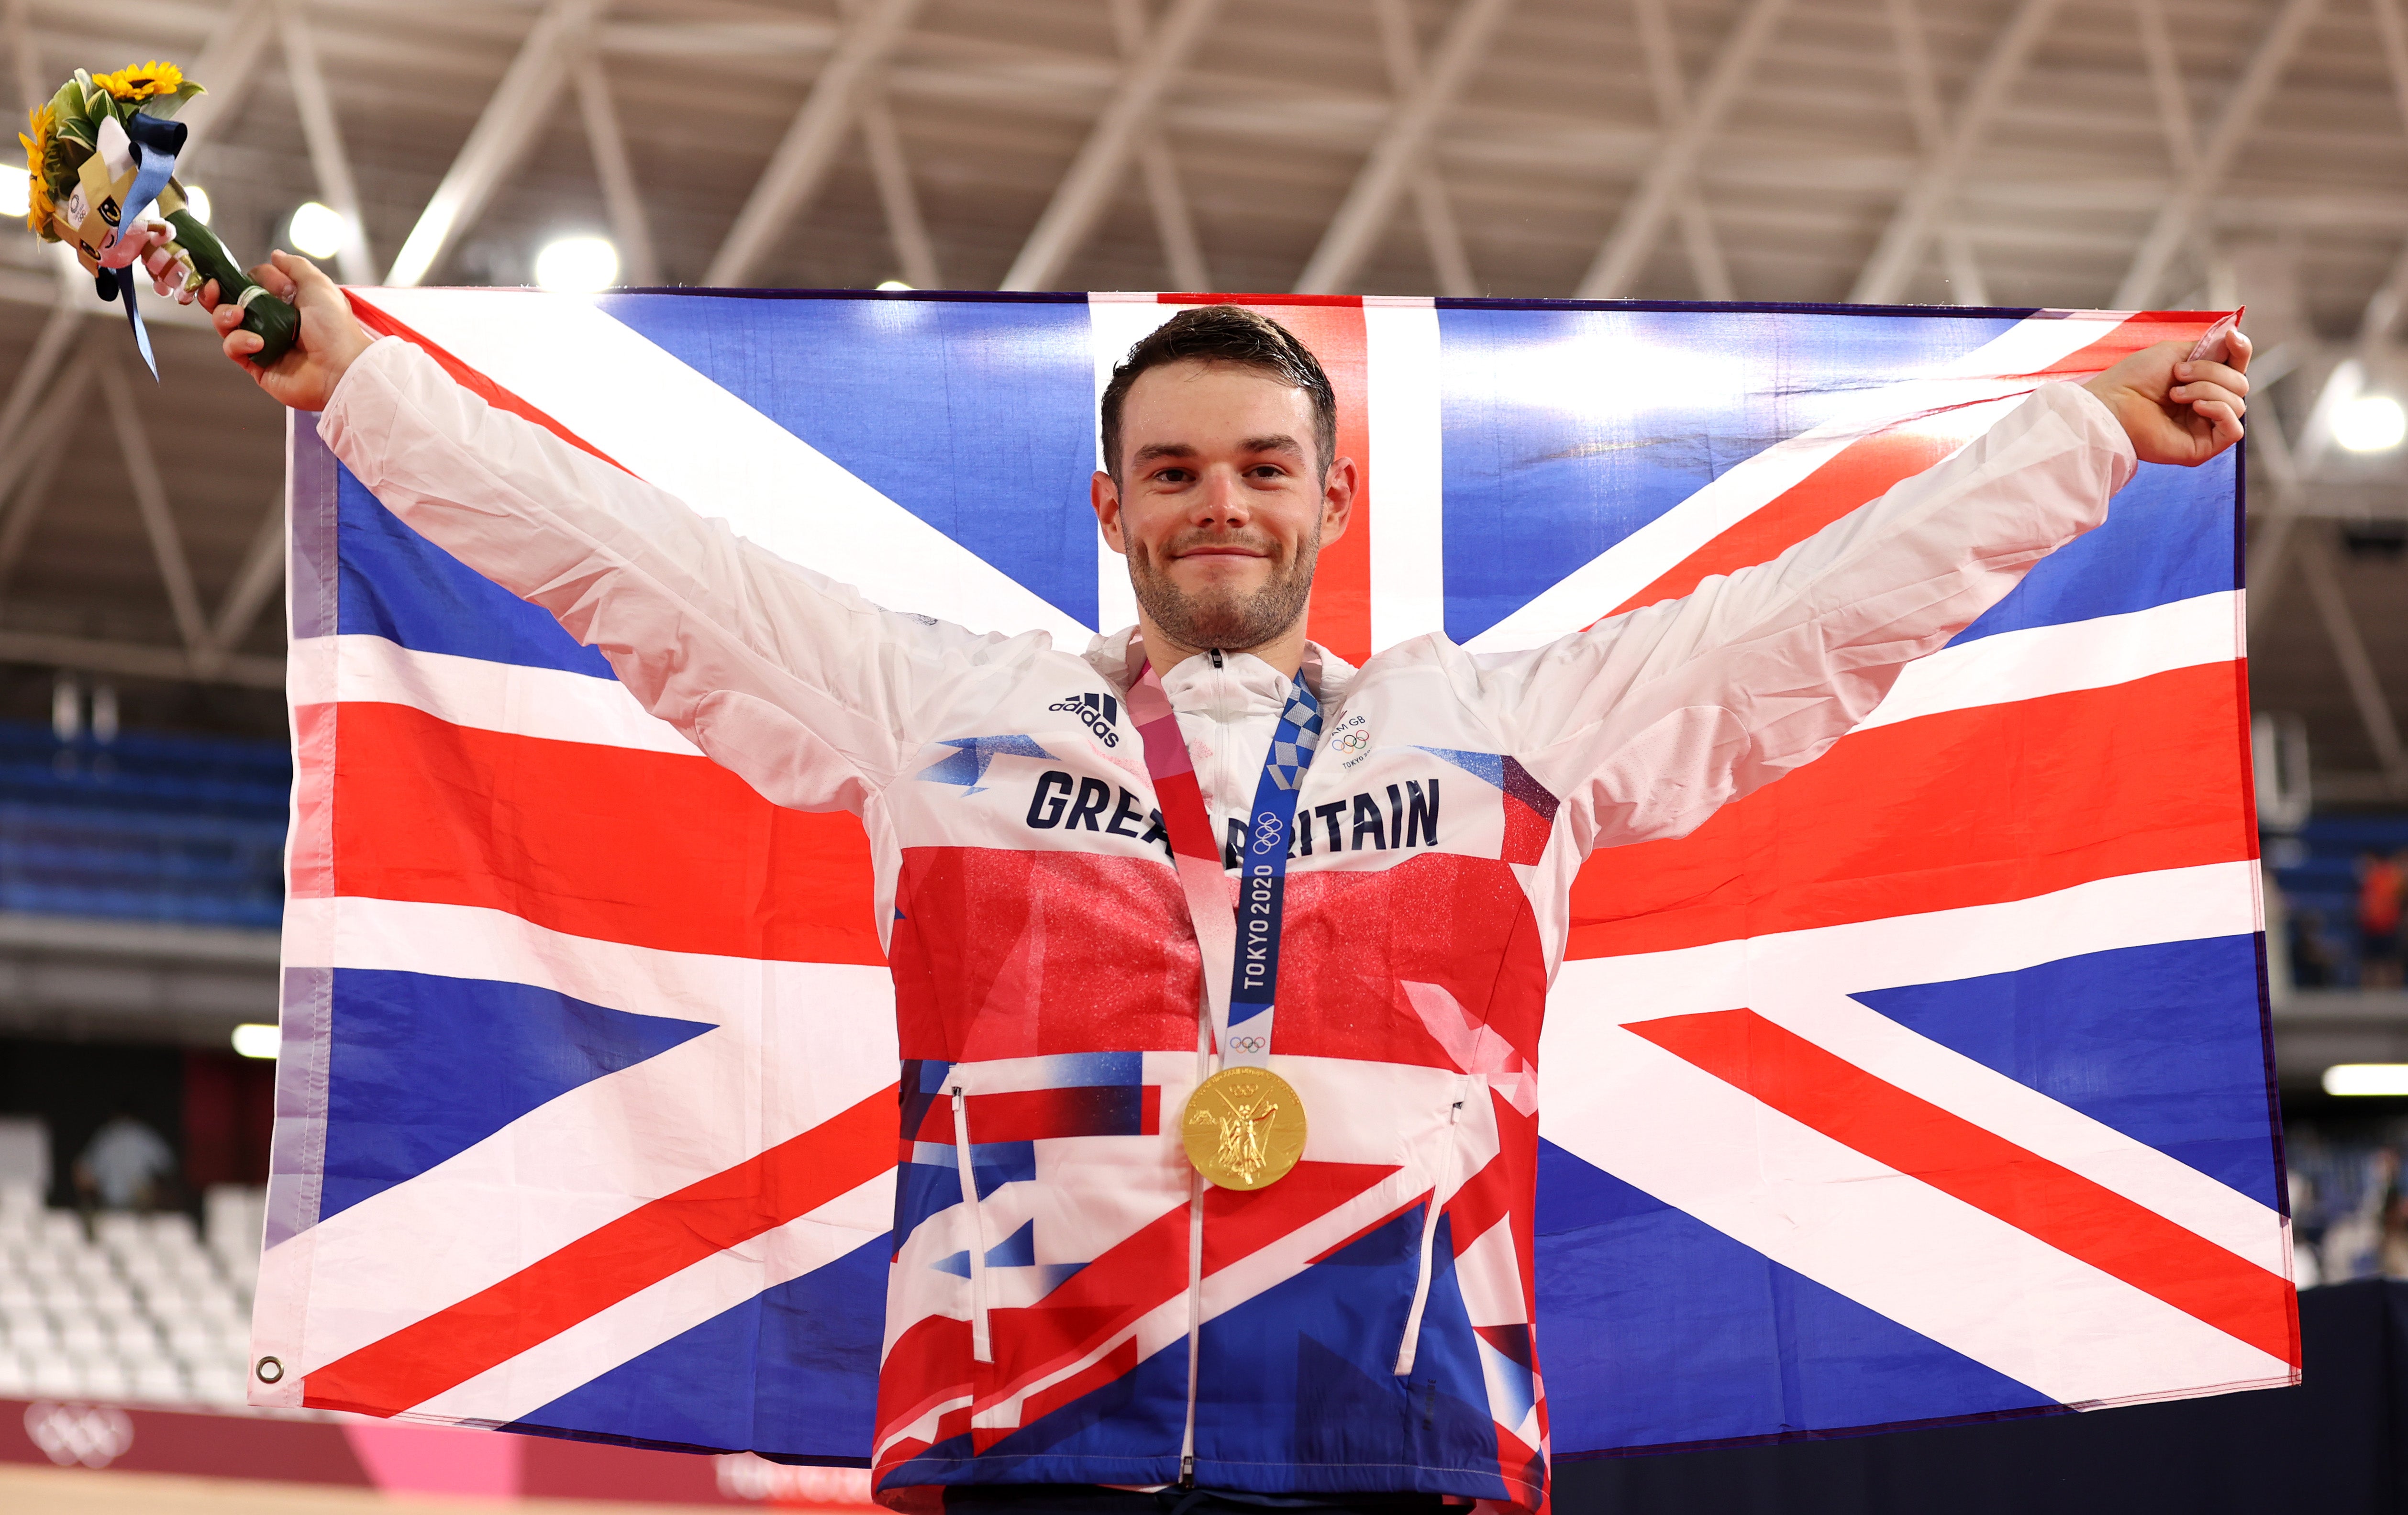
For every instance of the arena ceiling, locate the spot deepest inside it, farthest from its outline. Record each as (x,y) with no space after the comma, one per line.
(2037,152)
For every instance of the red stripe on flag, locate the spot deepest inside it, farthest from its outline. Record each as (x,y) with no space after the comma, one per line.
(1865,470)
(1331,326)
(2143,328)
(611,1263)
(1861,472)
(650,849)
(2057,1206)
(1977,807)
(383,323)
(1150,1267)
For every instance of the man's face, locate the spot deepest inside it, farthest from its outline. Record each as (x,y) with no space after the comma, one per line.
(1222,506)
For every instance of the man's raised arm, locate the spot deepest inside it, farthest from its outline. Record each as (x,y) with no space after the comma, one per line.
(1650,721)
(796,682)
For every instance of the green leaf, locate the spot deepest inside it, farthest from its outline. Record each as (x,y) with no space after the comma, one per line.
(165,106)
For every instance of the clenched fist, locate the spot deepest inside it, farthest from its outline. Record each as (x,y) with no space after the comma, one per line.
(2176,410)
(331,336)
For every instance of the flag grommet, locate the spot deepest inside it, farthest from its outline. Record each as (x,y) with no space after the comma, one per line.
(270,1370)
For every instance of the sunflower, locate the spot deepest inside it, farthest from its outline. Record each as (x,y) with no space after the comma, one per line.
(151,79)
(43,121)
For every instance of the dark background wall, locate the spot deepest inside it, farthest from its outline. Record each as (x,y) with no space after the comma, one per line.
(2336,1445)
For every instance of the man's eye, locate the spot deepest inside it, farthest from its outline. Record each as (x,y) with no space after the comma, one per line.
(1172,476)
(1268,470)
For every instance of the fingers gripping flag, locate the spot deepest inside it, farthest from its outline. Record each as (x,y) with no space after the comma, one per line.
(1928,1083)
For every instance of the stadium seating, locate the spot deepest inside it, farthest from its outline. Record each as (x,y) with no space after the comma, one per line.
(186,829)
(142,1310)
(2317,871)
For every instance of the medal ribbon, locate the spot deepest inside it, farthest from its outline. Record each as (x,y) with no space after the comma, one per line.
(1244,1000)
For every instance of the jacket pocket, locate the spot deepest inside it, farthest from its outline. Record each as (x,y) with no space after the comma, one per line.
(1439,1180)
(981,1345)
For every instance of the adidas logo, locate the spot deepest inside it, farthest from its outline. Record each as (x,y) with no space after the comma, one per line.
(1101,712)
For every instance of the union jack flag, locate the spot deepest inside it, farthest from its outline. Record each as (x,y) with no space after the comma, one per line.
(1930,1083)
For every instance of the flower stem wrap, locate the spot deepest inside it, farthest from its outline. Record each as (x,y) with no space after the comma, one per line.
(275,323)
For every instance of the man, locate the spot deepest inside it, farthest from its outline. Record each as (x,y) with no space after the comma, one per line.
(1297,1272)
(125,1166)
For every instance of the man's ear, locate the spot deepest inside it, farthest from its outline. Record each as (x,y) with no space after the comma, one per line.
(1337,499)
(1105,496)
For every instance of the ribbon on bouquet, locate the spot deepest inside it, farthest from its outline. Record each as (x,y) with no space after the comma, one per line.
(152,145)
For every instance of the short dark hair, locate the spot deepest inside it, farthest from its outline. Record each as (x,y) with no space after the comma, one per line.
(1225,334)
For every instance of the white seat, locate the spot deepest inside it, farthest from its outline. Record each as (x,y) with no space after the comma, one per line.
(82,1337)
(188,1335)
(159,1383)
(102,1378)
(171,1228)
(111,1297)
(218,1387)
(16,1380)
(33,1334)
(52,1377)
(133,1334)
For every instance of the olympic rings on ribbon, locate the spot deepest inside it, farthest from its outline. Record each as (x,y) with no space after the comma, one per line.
(1267,831)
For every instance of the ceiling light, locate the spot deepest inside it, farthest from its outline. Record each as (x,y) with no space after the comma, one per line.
(577,264)
(16,191)
(893,284)
(196,200)
(256,1040)
(2370,423)
(2367,1079)
(319,231)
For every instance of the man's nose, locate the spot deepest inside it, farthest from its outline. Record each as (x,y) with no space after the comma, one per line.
(1223,498)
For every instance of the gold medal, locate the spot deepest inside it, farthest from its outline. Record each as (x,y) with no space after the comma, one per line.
(1244,1128)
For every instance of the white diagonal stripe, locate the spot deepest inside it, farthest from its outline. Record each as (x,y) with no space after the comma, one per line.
(1890,1242)
(2055,659)
(1956,402)
(511,1390)
(1803,979)
(673,427)
(595,1153)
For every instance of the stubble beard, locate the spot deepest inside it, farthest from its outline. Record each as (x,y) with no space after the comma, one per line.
(1228,621)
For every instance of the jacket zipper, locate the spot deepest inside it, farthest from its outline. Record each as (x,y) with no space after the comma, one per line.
(981,1346)
(1445,1175)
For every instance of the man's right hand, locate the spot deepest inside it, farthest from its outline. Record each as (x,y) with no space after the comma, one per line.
(331,336)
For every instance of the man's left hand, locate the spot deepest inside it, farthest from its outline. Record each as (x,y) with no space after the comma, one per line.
(2176,410)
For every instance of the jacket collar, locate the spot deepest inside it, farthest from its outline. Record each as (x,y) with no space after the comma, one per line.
(1116,655)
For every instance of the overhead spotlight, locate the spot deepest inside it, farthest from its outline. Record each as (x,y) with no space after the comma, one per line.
(2370,423)
(319,231)
(257,1041)
(576,265)
(16,191)
(893,284)
(2367,1079)
(196,200)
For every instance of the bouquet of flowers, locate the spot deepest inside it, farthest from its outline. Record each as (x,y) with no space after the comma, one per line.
(102,152)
